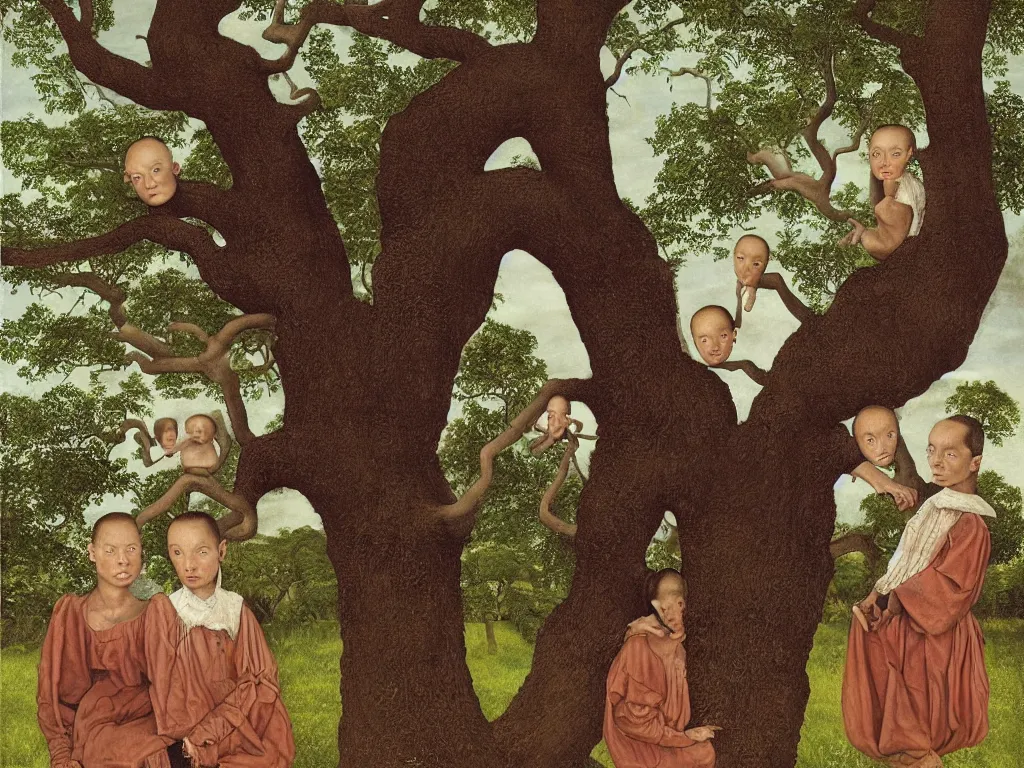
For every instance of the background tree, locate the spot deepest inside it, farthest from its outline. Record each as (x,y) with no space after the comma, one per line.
(54,464)
(373,379)
(287,575)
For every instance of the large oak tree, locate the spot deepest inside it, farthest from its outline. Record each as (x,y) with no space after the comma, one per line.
(368,384)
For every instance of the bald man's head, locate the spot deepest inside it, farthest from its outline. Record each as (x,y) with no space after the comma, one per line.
(877,433)
(714,333)
(151,170)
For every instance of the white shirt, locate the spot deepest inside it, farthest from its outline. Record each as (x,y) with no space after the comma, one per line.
(926,531)
(221,610)
(910,191)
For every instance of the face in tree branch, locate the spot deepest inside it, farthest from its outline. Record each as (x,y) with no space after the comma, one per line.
(877,433)
(152,172)
(714,333)
(165,430)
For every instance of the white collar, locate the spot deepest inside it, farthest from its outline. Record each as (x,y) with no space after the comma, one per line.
(221,610)
(947,498)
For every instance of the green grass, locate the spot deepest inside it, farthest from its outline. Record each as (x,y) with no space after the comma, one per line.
(310,674)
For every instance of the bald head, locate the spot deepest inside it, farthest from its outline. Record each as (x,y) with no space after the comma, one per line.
(877,433)
(151,170)
(714,333)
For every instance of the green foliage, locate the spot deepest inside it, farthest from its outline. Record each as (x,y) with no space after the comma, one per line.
(998,413)
(54,465)
(286,577)
(1007,530)
(885,522)
(766,63)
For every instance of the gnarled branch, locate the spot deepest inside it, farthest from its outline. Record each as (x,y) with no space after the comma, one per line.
(164,230)
(521,424)
(214,362)
(695,73)
(547,517)
(757,375)
(621,61)
(123,76)
(397,21)
(238,525)
(855,541)
(881,32)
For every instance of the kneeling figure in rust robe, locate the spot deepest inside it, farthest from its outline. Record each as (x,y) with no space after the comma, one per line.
(647,702)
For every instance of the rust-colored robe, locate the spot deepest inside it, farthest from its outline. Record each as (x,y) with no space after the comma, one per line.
(918,682)
(647,707)
(93,693)
(208,687)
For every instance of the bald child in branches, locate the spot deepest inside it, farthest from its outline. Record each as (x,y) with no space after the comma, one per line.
(898,196)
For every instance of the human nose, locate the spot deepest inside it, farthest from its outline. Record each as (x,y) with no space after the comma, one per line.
(189,565)
(122,556)
(150,182)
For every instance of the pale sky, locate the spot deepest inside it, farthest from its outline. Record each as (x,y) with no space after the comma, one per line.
(534,302)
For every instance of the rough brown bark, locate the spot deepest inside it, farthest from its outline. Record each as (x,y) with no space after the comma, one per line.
(754,502)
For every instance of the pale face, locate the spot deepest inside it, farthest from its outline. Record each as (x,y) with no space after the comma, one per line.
(713,335)
(196,555)
(151,171)
(889,153)
(117,553)
(877,434)
(670,603)
(749,260)
(200,429)
(558,416)
(169,438)
(949,457)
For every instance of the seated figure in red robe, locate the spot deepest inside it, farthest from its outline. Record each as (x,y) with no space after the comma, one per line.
(647,703)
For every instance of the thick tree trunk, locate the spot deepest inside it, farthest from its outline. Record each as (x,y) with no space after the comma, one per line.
(406,690)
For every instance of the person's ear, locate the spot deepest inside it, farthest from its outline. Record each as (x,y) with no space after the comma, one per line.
(975,464)
(127,178)
(222,550)
(92,552)
(175,169)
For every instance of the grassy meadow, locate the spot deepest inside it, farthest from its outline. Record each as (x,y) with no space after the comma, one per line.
(308,659)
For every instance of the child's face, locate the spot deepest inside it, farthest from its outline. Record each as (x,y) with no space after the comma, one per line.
(749,260)
(877,434)
(200,430)
(889,153)
(169,438)
(558,416)
(713,336)
(196,555)
(152,172)
(117,553)
(949,456)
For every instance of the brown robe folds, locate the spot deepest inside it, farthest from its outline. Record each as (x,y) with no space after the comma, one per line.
(918,682)
(646,708)
(93,693)
(220,693)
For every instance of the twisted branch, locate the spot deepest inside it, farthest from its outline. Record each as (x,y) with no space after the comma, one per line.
(168,231)
(881,32)
(397,21)
(695,73)
(757,375)
(621,61)
(214,362)
(547,517)
(521,424)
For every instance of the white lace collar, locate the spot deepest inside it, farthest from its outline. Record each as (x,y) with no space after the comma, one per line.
(947,498)
(221,610)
